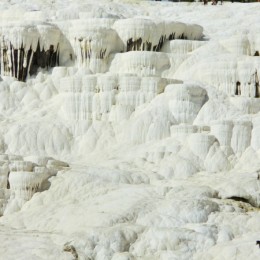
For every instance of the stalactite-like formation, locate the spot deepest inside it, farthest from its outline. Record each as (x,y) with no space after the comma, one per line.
(87,52)
(20,63)
(134,45)
(26,48)
(44,58)
(92,44)
(140,34)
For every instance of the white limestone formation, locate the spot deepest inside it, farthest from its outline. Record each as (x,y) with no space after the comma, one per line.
(180,46)
(143,63)
(186,102)
(222,130)
(200,144)
(182,131)
(241,136)
(228,72)
(21,179)
(255,136)
(151,111)
(25,48)
(93,41)
(149,35)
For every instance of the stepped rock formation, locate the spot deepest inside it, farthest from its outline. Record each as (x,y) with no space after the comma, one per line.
(152,113)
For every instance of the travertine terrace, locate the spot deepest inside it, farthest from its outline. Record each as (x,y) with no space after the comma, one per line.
(129,130)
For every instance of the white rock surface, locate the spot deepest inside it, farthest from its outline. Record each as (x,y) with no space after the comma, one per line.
(151,111)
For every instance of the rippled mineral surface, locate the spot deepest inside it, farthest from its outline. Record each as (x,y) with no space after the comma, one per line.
(129,130)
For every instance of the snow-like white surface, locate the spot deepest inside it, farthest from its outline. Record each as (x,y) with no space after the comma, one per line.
(155,109)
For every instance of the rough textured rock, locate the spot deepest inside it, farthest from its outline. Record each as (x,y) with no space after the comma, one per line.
(151,111)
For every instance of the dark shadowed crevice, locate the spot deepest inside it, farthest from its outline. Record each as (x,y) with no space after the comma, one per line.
(236,198)
(20,63)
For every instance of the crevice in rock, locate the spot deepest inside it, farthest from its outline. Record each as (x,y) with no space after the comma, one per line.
(172,36)
(8,183)
(238,88)
(256,82)
(236,198)
(247,204)
(71,249)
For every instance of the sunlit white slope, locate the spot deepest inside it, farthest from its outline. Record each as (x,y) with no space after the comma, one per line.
(154,106)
